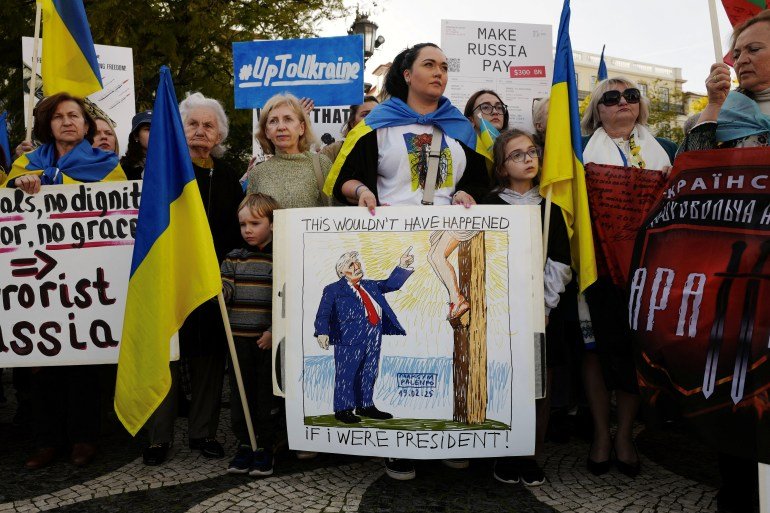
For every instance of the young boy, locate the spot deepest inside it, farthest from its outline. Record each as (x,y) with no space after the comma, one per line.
(247,285)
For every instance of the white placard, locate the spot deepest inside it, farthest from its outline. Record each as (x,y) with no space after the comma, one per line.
(327,122)
(117,99)
(65,257)
(413,372)
(513,59)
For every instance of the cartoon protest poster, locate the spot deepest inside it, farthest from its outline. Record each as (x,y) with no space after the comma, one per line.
(411,332)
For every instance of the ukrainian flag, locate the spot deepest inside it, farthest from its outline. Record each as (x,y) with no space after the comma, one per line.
(486,139)
(174,268)
(69,59)
(5,147)
(563,171)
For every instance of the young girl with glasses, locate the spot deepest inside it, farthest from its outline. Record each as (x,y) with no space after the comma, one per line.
(487,104)
(517,167)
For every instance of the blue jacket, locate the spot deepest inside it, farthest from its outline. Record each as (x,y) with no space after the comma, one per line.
(342,315)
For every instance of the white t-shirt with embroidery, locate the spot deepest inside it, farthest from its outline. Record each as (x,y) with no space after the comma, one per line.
(402,165)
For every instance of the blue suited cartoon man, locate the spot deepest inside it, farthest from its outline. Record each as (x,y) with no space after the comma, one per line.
(353,316)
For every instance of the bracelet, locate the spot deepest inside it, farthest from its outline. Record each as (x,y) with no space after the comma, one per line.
(355,193)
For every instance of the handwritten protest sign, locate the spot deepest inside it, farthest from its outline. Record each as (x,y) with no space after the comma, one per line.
(65,256)
(361,311)
(116,101)
(329,70)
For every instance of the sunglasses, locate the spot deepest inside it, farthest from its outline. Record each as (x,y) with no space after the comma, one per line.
(488,108)
(520,156)
(611,98)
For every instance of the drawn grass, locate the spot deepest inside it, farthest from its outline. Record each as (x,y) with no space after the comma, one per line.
(407,424)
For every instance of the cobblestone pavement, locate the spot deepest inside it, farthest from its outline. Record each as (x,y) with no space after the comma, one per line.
(677,475)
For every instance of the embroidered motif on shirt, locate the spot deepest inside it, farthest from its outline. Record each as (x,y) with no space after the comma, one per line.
(418,149)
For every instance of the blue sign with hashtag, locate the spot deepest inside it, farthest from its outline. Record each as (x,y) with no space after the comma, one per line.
(329,70)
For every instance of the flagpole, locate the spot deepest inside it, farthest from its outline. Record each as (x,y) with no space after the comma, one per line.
(237,371)
(547,223)
(33,78)
(718,54)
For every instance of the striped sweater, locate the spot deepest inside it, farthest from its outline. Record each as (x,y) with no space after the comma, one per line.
(247,285)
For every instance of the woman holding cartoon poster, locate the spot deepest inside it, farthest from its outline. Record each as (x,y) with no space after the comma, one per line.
(385,158)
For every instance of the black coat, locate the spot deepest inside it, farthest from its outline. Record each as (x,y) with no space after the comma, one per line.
(203,332)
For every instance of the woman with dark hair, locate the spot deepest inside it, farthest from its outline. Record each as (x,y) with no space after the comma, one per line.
(488,105)
(357,113)
(66,130)
(65,400)
(138,139)
(385,160)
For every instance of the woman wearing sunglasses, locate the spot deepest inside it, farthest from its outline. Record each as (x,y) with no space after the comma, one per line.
(615,131)
(488,105)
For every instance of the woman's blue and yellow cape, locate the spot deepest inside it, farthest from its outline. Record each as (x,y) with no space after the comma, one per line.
(82,164)
(395,112)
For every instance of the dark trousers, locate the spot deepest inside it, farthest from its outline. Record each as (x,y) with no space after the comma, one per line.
(256,373)
(206,377)
(356,370)
(66,405)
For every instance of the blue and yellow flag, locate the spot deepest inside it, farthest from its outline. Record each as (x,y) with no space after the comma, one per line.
(174,267)
(81,164)
(395,112)
(602,73)
(5,147)
(486,139)
(69,59)
(563,158)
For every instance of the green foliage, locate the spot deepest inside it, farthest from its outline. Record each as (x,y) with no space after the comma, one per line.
(192,37)
(664,113)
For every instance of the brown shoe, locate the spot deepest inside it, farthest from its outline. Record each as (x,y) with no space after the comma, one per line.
(44,456)
(82,454)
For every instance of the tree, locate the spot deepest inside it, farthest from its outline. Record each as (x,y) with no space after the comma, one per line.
(192,37)
(665,109)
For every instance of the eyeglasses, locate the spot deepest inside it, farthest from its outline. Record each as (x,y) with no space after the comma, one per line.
(611,98)
(488,108)
(520,156)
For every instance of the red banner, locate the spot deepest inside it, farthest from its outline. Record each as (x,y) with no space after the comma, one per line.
(619,199)
(699,297)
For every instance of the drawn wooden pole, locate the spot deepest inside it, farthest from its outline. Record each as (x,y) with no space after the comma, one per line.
(470,335)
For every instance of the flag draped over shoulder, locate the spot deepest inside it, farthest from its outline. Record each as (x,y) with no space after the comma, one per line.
(81,164)
(395,112)
(563,158)
(174,267)
(602,73)
(69,59)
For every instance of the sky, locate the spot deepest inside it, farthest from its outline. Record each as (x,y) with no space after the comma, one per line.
(673,33)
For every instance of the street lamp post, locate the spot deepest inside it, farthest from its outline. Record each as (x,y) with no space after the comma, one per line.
(367,28)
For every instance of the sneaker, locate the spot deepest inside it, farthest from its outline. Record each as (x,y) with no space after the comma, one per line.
(305,455)
(208,447)
(400,469)
(506,470)
(456,463)
(531,473)
(155,454)
(262,463)
(241,463)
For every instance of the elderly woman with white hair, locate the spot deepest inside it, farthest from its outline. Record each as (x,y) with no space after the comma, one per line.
(615,133)
(202,339)
(295,175)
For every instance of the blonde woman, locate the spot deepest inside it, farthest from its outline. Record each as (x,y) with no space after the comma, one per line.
(294,175)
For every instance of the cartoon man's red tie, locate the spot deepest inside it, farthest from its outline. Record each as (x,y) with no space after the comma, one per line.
(371,313)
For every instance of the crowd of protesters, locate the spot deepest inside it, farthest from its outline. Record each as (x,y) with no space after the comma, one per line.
(62,404)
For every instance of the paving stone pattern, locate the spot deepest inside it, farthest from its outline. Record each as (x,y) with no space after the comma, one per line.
(678,475)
